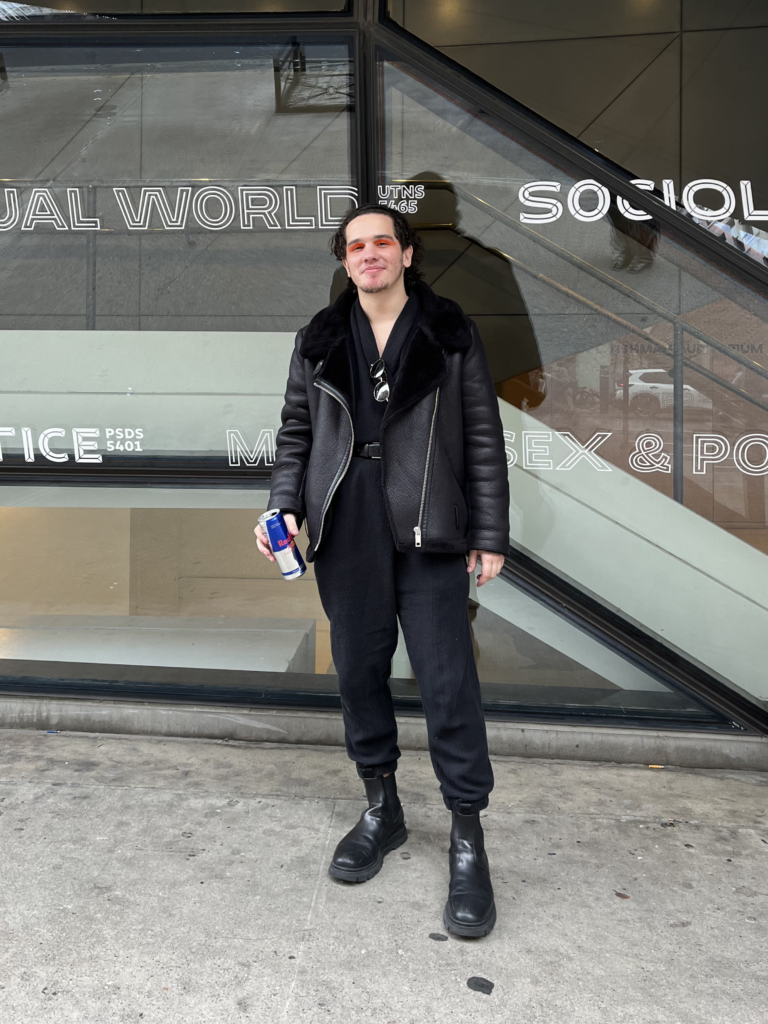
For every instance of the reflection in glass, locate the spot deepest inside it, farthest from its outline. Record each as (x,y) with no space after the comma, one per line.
(165,215)
(640,83)
(169,210)
(638,344)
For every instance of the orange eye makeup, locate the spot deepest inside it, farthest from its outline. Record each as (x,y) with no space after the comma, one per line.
(379,242)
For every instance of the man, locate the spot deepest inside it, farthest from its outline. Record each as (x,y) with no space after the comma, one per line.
(391,450)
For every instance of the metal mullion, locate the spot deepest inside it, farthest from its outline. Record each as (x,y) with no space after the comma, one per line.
(54,33)
(678,412)
(366,105)
(90,263)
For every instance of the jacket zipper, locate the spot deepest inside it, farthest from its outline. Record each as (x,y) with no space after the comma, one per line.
(417,529)
(343,469)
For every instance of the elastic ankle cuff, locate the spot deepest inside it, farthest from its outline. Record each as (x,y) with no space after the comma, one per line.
(466,806)
(374,771)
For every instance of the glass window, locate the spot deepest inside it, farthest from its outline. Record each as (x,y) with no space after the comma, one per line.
(164,223)
(165,213)
(589,313)
(165,219)
(641,83)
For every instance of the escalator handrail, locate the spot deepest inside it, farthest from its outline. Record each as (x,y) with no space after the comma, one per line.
(630,328)
(630,293)
(618,286)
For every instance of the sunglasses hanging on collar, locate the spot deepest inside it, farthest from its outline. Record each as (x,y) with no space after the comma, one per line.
(381,387)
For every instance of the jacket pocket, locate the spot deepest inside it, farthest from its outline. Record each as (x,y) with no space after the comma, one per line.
(446,513)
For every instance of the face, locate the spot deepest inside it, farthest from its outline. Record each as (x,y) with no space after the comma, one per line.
(375,259)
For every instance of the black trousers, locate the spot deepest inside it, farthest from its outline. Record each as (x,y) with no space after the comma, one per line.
(365,585)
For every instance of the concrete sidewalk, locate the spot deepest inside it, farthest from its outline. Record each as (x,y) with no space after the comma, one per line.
(185,882)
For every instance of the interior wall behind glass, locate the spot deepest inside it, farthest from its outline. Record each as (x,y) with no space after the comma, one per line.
(646,84)
(181,121)
(165,215)
(164,224)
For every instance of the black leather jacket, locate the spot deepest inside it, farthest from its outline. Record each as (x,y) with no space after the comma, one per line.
(444,466)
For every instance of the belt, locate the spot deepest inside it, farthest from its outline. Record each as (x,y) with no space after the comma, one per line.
(367,451)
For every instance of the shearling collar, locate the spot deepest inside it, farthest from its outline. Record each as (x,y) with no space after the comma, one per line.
(444,328)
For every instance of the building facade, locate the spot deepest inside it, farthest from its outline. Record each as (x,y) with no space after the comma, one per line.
(590,185)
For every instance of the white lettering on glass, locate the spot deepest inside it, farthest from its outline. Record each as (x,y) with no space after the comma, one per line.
(708,450)
(586,451)
(154,196)
(649,455)
(12,212)
(629,211)
(741,454)
(748,203)
(237,448)
(26,440)
(388,192)
(668,191)
(603,200)
(553,207)
(77,218)
(325,196)
(509,436)
(729,199)
(6,432)
(536,448)
(42,209)
(292,219)
(200,208)
(258,201)
(85,445)
(44,444)
(262,202)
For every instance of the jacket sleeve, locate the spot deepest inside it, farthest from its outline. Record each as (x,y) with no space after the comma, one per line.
(293,443)
(485,458)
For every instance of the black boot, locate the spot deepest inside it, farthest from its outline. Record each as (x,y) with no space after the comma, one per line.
(470,910)
(381,828)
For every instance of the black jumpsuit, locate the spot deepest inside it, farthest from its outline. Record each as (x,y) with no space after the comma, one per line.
(365,585)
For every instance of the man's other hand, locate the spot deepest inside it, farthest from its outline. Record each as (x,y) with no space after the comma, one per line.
(261,538)
(490,564)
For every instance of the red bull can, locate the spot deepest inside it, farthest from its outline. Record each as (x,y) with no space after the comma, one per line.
(287,555)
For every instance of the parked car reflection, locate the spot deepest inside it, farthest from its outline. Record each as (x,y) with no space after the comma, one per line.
(652,390)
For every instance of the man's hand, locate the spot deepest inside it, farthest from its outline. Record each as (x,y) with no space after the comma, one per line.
(261,538)
(490,564)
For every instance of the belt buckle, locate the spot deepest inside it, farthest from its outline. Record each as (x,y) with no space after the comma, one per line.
(377,447)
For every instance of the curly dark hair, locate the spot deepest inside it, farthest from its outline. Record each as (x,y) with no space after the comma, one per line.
(404,233)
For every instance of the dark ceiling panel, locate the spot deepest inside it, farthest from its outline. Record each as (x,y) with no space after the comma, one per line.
(448,23)
(590,73)
(704,14)
(725,108)
(640,130)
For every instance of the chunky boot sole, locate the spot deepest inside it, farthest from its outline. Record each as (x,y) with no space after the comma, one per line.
(470,931)
(363,874)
